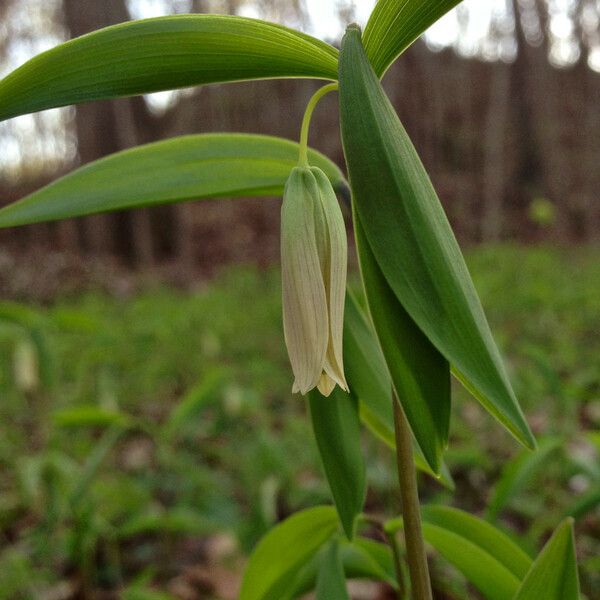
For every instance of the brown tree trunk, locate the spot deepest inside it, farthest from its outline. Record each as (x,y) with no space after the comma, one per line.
(543,98)
(494,170)
(141,226)
(591,152)
(104,128)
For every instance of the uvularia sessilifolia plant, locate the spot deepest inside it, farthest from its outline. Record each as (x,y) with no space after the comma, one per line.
(385,360)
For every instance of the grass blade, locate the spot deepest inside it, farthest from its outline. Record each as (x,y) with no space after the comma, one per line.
(362,559)
(517,473)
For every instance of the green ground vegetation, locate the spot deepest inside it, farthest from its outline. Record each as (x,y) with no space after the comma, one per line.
(133,429)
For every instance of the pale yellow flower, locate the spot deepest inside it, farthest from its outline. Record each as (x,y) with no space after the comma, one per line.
(314,256)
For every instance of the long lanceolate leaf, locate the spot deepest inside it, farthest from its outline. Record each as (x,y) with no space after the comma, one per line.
(370,381)
(183,168)
(162,54)
(421,375)
(396,24)
(408,235)
(336,424)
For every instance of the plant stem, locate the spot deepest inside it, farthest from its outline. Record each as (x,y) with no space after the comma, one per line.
(411,512)
(393,543)
(310,107)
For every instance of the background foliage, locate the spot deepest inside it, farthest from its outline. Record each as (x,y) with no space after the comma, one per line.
(133,456)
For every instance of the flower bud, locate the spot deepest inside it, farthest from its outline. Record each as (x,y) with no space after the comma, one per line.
(314,256)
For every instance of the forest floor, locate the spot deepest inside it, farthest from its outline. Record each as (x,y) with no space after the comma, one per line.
(148,436)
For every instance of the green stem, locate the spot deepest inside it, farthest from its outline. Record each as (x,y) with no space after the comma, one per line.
(310,107)
(411,512)
(393,543)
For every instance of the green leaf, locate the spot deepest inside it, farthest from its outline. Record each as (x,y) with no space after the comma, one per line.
(488,558)
(184,168)
(410,240)
(331,580)
(336,424)
(395,24)
(553,575)
(362,559)
(164,53)
(90,416)
(518,473)
(421,375)
(281,554)
(369,379)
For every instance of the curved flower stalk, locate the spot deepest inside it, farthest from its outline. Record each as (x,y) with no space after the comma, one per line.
(314,256)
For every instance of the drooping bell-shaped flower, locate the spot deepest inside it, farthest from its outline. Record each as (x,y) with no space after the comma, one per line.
(314,256)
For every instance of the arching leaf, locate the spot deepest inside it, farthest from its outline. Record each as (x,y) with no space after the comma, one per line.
(487,557)
(163,53)
(183,168)
(281,554)
(395,24)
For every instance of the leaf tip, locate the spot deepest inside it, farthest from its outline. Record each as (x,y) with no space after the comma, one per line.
(527,438)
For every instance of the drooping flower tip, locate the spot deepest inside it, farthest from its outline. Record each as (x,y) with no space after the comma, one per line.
(314,257)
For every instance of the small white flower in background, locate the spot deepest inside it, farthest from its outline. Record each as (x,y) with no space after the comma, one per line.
(314,257)
(25,365)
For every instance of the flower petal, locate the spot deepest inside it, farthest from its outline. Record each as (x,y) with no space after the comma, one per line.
(326,384)
(305,319)
(334,276)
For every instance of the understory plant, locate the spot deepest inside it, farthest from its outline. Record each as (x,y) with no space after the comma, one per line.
(382,355)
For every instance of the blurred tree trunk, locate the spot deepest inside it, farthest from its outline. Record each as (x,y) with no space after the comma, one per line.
(494,170)
(104,128)
(590,155)
(543,121)
(184,113)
